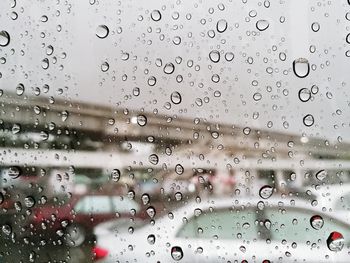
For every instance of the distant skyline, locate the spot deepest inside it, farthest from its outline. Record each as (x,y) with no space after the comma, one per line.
(255,88)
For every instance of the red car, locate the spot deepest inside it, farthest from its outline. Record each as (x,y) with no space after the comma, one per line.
(74,220)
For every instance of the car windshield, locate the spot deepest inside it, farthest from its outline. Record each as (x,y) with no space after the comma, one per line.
(174,131)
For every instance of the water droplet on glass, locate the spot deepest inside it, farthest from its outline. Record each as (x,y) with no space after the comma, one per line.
(14,172)
(152,81)
(6,229)
(4,38)
(29,201)
(301,67)
(304,94)
(315,26)
(266,191)
(2,198)
(44,18)
(141,120)
(115,175)
(308,120)
(45,63)
(316,222)
(335,241)
(156,15)
(221,25)
(102,31)
(177,253)
(145,199)
(153,159)
(20,89)
(321,175)
(175,97)
(151,239)
(179,169)
(16,128)
(229,56)
(169,68)
(151,212)
(214,56)
(262,24)
(104,67)
(178,196)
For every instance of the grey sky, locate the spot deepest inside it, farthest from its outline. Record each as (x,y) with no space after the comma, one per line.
(131,30)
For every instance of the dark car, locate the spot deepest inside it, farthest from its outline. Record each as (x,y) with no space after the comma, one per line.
(73,220)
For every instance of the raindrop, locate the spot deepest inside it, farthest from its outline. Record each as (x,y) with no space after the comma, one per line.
(315,26)
(141,120)
(102,31)
(214,56)
(151,239)
(301,67)
(316,222)
(14,172)
(151,212)
(136,91)
(4,38)
(169,68)
(49,50)
(20,89)
(262,25)
(145,199)
(348,38)
(6,229)
(115,175)
(2,198)
(308,120)
(153,159)
(221,25)
(156,15)
(179,169)
(304,94)
(335,241)
(45,63)
(321,175)
(229,56)
(178,196)
(29,201)
(152,81)
(104,67)
(176,253)
(44,19)
(16,128)
(175,97)
(266,191)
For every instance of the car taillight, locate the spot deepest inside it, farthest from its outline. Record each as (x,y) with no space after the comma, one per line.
(99,253)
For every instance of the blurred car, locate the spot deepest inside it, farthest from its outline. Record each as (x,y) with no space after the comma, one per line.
(75,219)
(335,198)
(228,230)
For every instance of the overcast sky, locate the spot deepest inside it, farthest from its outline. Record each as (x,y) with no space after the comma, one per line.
(184,35)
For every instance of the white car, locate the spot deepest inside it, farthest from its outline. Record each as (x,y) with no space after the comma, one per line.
(333,198)
(230,230)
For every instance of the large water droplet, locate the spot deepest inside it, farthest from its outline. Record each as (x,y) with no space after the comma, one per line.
(315,26)
(29,201)
(335,241)
(229,56)
(115,175)
(156,15)
(153,159)
(16,128)
(221,25)
(316,222)
(145,199)
(151,212)
(102,31)
(321,175)
(4,38)
(169,68)
(301,67)
(104,67)
(304,94)
(177,253)
(175,97)
(14,172)
(141,120)
(214,56)
(266,191)
(262,25)
(20,89)
(151,239)
(308,120)
(179,169)
(45,63)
